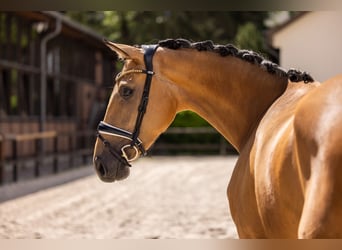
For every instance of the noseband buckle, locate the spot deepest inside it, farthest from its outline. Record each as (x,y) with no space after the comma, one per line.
(125,155)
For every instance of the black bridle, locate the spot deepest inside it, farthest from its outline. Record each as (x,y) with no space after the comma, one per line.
(135,142)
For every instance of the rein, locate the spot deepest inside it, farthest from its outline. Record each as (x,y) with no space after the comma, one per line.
(135,142)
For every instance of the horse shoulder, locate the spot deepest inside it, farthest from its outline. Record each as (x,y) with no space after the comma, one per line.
(241,196)
(275,176)
(276,183)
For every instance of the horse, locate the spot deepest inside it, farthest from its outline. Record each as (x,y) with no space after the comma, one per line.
(286,127)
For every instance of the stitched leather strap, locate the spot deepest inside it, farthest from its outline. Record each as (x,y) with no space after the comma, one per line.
(149,51)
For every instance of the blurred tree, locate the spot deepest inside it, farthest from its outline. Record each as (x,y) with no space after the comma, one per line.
(189,119)
(93,19)
(249,37)
(136,27)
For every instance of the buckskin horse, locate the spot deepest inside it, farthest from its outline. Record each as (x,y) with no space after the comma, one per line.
(287,182)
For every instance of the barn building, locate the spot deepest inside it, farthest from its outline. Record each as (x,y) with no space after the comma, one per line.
(54,81)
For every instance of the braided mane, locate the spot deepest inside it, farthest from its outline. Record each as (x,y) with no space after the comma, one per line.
(246,55)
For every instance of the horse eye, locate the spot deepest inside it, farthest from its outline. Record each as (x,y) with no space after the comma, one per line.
(126,92)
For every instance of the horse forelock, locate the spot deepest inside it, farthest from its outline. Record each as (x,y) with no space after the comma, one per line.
(293,75)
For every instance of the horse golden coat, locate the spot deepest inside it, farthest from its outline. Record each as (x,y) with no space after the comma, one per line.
(287,182)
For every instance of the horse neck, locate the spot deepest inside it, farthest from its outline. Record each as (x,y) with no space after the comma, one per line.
(231,94)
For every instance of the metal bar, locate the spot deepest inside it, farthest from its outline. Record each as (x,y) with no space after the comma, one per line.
(43,74)
(36,70)
(71,150)
(3,96)
(15,164)
(31,55)
(70,78)
(2,159)
(43,82)
(7,49)
(187,146)
(222,146)
(2,33)
(18,66)
(39,155)
(55,155)
(19,27)
(191,130)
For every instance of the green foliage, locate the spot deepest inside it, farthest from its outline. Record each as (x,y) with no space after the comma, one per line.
(137,27)
(189,119)
(92,19)
(249,37)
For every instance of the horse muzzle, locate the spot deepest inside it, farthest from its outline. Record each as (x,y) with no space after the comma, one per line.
(110,169)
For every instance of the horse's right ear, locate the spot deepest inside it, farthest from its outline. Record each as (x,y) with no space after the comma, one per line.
(124,51)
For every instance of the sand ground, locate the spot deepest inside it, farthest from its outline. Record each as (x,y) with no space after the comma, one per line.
(164,197)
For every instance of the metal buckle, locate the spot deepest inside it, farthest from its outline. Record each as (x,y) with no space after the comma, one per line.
(125,155)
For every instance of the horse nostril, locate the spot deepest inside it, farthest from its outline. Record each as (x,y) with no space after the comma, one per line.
(101,170)
(99,167)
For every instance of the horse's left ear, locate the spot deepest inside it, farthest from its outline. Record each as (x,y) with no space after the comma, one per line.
(124,51)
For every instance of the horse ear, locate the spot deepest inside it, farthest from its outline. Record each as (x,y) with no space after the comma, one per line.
(124,51)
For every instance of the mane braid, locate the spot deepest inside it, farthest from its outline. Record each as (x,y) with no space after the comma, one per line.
(230,50)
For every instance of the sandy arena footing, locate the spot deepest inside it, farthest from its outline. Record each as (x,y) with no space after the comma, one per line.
(164,197)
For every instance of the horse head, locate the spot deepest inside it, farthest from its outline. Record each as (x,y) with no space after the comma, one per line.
(140,108)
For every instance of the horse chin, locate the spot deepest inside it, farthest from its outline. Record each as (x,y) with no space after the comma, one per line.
(122,173)
(110,171)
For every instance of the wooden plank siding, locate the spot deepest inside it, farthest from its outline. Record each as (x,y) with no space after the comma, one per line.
(78,65)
